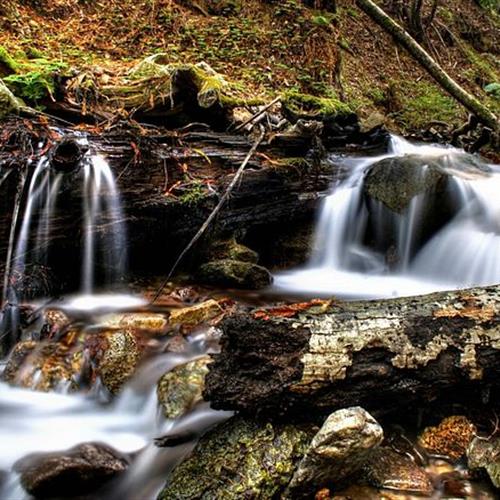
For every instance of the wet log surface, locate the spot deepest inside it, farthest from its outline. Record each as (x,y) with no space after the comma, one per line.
(386,356)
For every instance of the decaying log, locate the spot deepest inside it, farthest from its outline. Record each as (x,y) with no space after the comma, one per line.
(429,64)
(382,355)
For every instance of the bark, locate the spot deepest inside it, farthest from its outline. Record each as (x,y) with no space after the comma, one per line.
(382,355)
(429,64)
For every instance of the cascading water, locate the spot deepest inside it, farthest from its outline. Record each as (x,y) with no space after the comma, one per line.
(347,258)
(104,233)
(36,421)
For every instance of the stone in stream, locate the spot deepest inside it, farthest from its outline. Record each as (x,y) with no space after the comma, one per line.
(241,458)
(450,438)
(389,470)
(79,471)
(234,274)
(180,389)
(195,315)
(484,453)
(345,442)
(231,249)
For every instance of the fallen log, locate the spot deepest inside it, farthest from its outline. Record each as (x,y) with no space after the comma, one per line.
(382,355)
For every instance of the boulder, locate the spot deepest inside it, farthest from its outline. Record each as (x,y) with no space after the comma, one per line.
(197,314)
(240,459)
(342,446)
(181,389)
(396,181)
(234,274)
(231,249)
(73,473)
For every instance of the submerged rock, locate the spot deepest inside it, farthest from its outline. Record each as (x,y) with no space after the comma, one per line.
(73,473)
(485,454)
(389,470)
(240,459)
(234,274)
(450,438)
(180,389)
(344,443)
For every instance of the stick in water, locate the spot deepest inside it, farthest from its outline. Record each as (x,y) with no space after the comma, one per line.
(211,216)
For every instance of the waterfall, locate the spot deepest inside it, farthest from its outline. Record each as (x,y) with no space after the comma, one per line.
(350,255)
(104,244)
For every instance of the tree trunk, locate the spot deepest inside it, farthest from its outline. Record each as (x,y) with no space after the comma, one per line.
(382,355)
(428,63)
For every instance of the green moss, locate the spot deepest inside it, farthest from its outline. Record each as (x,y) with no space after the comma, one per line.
(318,106)
(240,459)
(193,194)
(422,102)
(8,64)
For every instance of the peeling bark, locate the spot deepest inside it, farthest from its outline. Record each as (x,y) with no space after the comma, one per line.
(381,355)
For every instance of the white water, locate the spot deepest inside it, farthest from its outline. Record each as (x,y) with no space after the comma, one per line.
(104,234)
(462,254)
(44,422)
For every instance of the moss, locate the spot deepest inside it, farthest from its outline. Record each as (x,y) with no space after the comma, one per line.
(8,64)
(422,103)
(317,106)
(240,459)
(194,193)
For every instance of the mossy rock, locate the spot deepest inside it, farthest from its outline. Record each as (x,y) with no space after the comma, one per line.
(231,249)
(311,106)
(240,459)
(181,389)
(234,274)
(8,103)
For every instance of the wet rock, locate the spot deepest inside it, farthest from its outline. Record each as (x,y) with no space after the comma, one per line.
(344,443)
(78,471)
(234,274)
(195,315)
(180,389)
(45,366)
(450,438)
(389,470)
(116,355)
(151,322)
(396,181)
(8,102)
(240,459)
(230,249)
(485,454)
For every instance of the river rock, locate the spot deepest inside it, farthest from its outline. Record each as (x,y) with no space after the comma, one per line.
(396,181)
(195,315)
(344,443)
(389,470)
(485,454)
(180,389)
(8,102)
(240,459)
(450,438)
(146,321)
(73,473)
(234,274)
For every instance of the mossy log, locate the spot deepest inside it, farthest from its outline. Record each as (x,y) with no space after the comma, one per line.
(384,355)
(429,64)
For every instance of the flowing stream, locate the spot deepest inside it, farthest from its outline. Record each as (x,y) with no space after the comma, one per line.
(349,259)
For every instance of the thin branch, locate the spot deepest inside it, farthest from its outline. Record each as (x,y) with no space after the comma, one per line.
(256,115)
(212,215)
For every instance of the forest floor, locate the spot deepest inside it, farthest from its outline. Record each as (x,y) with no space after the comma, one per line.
(264,48)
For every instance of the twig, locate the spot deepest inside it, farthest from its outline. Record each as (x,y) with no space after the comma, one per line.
(212,215)
(256,115)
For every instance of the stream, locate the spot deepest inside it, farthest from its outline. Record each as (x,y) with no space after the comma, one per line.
(349,259)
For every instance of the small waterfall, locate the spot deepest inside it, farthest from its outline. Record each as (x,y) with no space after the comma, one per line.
(103,228)
(36,421)
(352,255)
